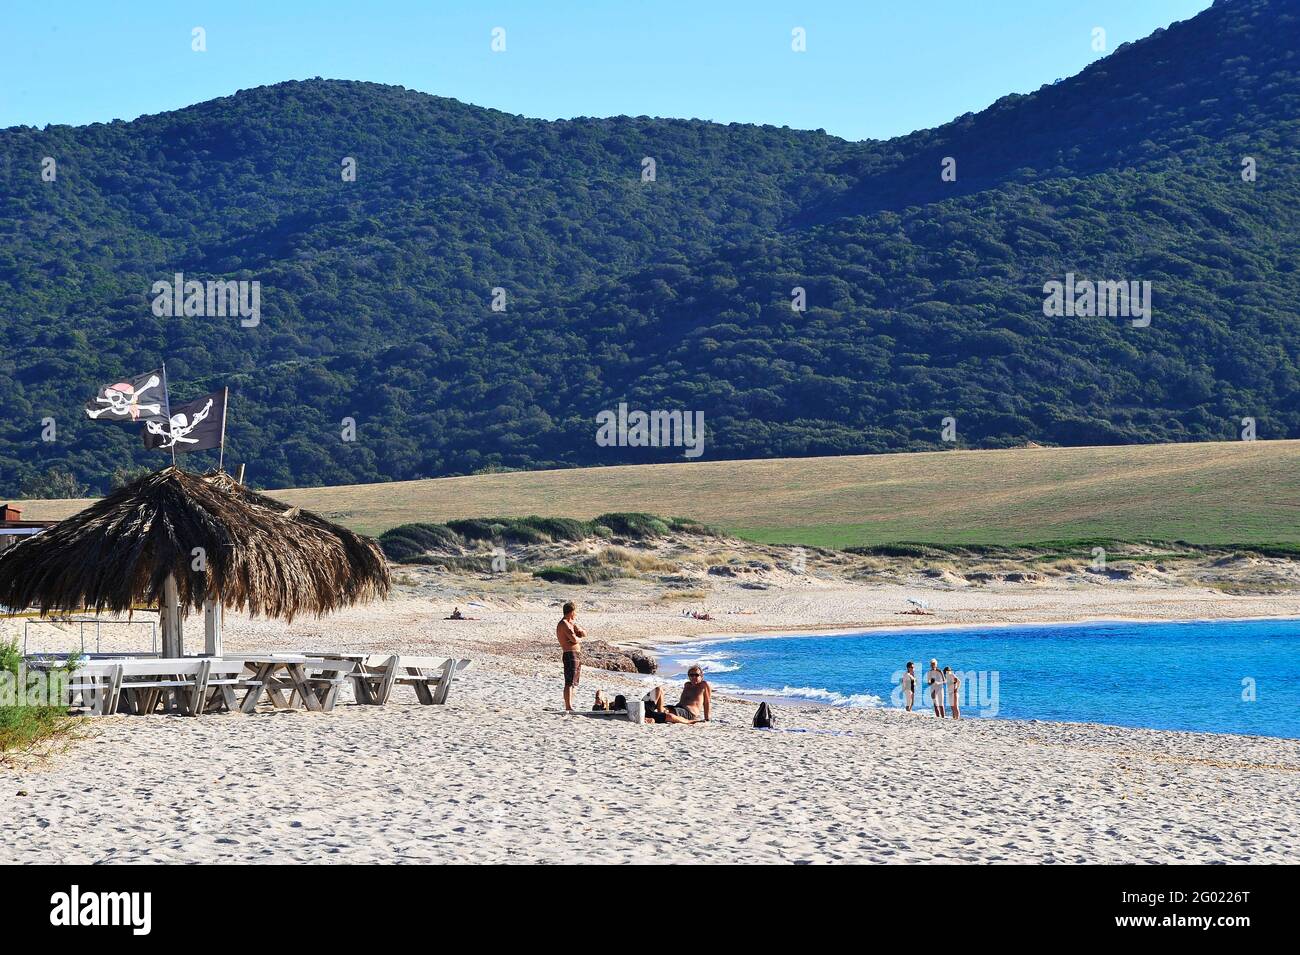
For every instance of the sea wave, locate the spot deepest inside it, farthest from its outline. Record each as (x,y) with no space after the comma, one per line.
(708,664)
(815,693)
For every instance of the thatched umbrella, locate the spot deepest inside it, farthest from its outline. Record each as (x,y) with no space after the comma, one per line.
(179,540)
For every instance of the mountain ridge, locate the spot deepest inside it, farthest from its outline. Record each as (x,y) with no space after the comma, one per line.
(924,296)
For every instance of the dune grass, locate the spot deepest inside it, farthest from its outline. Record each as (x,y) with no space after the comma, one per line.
(24,728)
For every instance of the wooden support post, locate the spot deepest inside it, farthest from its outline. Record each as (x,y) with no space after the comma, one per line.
(212,627)
(169,613)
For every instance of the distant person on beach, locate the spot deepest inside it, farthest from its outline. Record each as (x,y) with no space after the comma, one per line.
(909,686)
(954,682)
(934,681)
(456,614)
(570,636)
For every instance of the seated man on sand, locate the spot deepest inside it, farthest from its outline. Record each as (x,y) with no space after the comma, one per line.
(694,705)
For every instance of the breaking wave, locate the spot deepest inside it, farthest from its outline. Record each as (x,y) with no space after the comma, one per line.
(815,693)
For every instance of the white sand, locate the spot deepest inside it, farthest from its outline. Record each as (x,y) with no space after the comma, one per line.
(492,777)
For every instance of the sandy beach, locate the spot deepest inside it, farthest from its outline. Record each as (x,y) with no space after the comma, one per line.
(498,776)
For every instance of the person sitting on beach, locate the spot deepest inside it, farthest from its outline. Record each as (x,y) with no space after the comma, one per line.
(909,686)
(694,706)
(456,615)
(695,702)
(934,681)
(570,636)
(954,682)
(602,701)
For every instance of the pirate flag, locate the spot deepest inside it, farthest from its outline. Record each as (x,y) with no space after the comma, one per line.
(194,426)
(130,401)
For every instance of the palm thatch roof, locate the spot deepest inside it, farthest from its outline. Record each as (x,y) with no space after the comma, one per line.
(262,556)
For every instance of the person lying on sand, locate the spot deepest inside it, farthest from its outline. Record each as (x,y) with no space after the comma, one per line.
(954,682)
(694,705)
(934,680)
(570,635)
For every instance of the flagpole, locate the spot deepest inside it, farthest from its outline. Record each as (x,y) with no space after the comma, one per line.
(225,407)
(167,400)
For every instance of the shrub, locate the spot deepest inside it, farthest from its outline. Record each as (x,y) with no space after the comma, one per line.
(477,529)
(635,525)
(685,525)
(568,574)
(21,727)
(559,528)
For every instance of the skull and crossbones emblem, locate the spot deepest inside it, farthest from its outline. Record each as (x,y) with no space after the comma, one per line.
(176,429)
(123,401)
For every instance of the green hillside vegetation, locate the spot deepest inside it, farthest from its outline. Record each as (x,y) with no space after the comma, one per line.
(924,297)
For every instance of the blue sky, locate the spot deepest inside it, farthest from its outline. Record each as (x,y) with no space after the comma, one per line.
(873,68)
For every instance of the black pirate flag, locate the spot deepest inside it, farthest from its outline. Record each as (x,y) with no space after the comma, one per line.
(133,400)
(195,426)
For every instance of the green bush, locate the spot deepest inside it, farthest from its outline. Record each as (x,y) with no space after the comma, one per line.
(23,726)
(686,525)
(635,525)
(477,529)
(429,536)
(560,528)
(569,574)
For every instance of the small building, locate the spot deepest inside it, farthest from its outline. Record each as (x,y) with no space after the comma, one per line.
(14,529)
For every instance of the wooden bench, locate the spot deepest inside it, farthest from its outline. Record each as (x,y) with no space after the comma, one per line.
(93,685)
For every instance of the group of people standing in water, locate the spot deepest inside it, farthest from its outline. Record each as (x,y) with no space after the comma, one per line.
(942,685)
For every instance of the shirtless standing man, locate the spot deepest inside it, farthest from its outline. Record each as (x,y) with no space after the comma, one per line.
(570,636)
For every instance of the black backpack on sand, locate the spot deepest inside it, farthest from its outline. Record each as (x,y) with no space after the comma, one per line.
(765,718)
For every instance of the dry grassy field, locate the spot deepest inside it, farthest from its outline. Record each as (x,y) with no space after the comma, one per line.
(1213,493)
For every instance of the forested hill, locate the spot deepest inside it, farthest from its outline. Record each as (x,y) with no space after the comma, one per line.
(924,296)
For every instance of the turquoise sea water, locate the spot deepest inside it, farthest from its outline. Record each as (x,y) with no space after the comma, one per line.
(1220,677)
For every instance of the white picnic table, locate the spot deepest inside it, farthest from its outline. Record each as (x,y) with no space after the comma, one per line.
(197,685)
(132,685)
(374,675)
(310,678)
